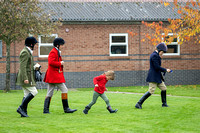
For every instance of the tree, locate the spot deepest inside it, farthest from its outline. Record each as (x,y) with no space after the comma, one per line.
(18,19)
(187,27)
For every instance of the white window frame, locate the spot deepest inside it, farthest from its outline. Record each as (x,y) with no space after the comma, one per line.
(118,44)
(173,43)
(44,44)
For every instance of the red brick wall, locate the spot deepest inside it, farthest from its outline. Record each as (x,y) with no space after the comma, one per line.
(93,41)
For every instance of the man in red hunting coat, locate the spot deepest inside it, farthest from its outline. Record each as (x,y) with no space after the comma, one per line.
(55,78)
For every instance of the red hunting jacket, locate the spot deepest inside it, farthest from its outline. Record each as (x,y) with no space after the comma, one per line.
(54,73)
(101,81)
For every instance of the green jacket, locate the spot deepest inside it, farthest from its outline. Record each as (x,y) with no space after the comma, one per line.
(26,70)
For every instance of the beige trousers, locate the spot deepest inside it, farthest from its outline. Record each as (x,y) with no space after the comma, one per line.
(31,90)
(51,87)
(153,85)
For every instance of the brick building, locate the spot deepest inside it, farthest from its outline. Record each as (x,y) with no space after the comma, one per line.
(97,40)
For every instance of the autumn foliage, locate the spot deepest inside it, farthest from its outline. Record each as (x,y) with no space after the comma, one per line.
(186,28)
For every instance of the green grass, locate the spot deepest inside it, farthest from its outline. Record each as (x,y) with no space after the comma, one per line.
(182,116)
(178,90)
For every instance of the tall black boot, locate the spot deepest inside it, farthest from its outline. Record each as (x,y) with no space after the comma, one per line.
(163,98)
(142,99)
(24,104)
(66,105)
(46,105)
(85,111)
(25,107)
(111,110)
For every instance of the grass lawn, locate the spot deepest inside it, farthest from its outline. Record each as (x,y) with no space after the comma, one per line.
(182,116)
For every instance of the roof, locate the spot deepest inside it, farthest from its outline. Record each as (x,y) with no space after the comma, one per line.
(107,11)
(112,0)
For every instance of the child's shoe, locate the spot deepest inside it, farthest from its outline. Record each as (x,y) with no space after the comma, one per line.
(85,111)
(111,110)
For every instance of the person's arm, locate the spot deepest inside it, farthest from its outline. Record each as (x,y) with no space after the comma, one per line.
(23,65)
(53,60)
(96,79)
(156,65)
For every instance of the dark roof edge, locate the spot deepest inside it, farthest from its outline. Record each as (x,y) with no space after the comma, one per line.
(107,22)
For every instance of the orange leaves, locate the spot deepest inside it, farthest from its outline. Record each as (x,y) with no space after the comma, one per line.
(166,4)
(179,11)
(148,36)
(154,34)
(187,38)
(132,33)
(187,28)
(175,2)
(142,22)
(193,3)
(160,22)
(143,40)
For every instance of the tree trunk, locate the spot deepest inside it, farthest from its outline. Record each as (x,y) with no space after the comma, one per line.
(7,88)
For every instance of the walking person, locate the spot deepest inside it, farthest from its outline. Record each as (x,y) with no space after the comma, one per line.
(155,77)
(25,76)
(55,78)
(100,82)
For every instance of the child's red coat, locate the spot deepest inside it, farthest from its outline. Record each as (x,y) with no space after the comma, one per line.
(101,81)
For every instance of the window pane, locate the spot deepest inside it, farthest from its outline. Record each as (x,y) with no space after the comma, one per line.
(44,50)
(172,48)
(118,49)
(47,39)
(118,39)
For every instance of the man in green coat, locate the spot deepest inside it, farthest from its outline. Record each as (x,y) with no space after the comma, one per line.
(25,77)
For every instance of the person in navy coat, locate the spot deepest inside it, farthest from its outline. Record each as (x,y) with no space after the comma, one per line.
(155,77)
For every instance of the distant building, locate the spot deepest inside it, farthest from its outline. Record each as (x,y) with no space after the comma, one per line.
(97,40)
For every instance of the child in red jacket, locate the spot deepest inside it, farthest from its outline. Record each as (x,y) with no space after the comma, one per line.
(100,82)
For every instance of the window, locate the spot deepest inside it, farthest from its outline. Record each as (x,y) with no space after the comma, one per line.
(46,44)
(173,47)
(118,44)
(0,49)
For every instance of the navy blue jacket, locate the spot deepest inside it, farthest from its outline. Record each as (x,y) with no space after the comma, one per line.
(154,74)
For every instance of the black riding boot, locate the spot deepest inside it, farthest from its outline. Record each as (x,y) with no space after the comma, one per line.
(66,105)
(21,109)
(25,107)
(46,105)
(85,111)
(142,99)
(163,98)
(111,110)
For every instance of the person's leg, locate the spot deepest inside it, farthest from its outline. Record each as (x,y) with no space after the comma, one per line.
(26,92)
(64,96)
(95,97)
(152,87)
(50,90)
(33,92)
(105,98)
(163,89)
